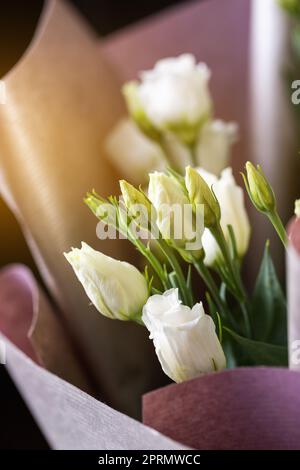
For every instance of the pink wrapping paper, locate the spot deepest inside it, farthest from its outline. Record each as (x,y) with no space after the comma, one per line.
(29,321)
(243,408)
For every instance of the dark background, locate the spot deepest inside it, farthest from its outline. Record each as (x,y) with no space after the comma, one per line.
(17,20)
(18,17)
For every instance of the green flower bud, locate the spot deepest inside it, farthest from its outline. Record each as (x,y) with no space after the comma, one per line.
(259,189)
(137,204)
(177,222)
(101,208)
(200,193)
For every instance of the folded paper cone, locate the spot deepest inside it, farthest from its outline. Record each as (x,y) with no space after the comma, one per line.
(244,408)
(70,418)
(61,100)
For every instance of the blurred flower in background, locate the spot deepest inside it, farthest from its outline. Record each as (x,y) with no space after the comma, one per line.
(171,122)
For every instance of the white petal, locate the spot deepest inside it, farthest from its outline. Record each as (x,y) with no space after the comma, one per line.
(214,145)
(185,339)
(233,212)
(132,153)
(175,92)
(116,288)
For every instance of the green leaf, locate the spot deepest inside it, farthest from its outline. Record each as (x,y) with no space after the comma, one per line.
(268,309)
(258,352)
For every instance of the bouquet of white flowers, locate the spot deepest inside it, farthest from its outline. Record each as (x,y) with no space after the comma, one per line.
(186,223)
(181,207)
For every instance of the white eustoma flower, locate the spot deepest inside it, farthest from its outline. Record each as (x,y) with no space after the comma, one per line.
(175,93)
(185,339)
(134,154)
(214,145)
(233,212)
(174,219)
(116,288)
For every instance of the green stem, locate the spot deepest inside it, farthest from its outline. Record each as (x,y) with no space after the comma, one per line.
(240,292)
(123,228)
(248,328)
(279,227)
(187,295)
(218,234)
(153,261)
(168,157)
(193,155)
(210,283)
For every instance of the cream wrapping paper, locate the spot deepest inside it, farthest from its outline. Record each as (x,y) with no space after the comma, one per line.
(61,100)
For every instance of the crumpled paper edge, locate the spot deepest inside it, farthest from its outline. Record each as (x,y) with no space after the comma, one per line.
(71,419)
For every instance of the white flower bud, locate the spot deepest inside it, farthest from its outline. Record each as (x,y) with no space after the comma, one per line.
(233,212)
(185,339)
(116,288)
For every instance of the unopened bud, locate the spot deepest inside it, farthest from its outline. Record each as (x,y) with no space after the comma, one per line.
(200,193)
(259,189)
(137,204)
